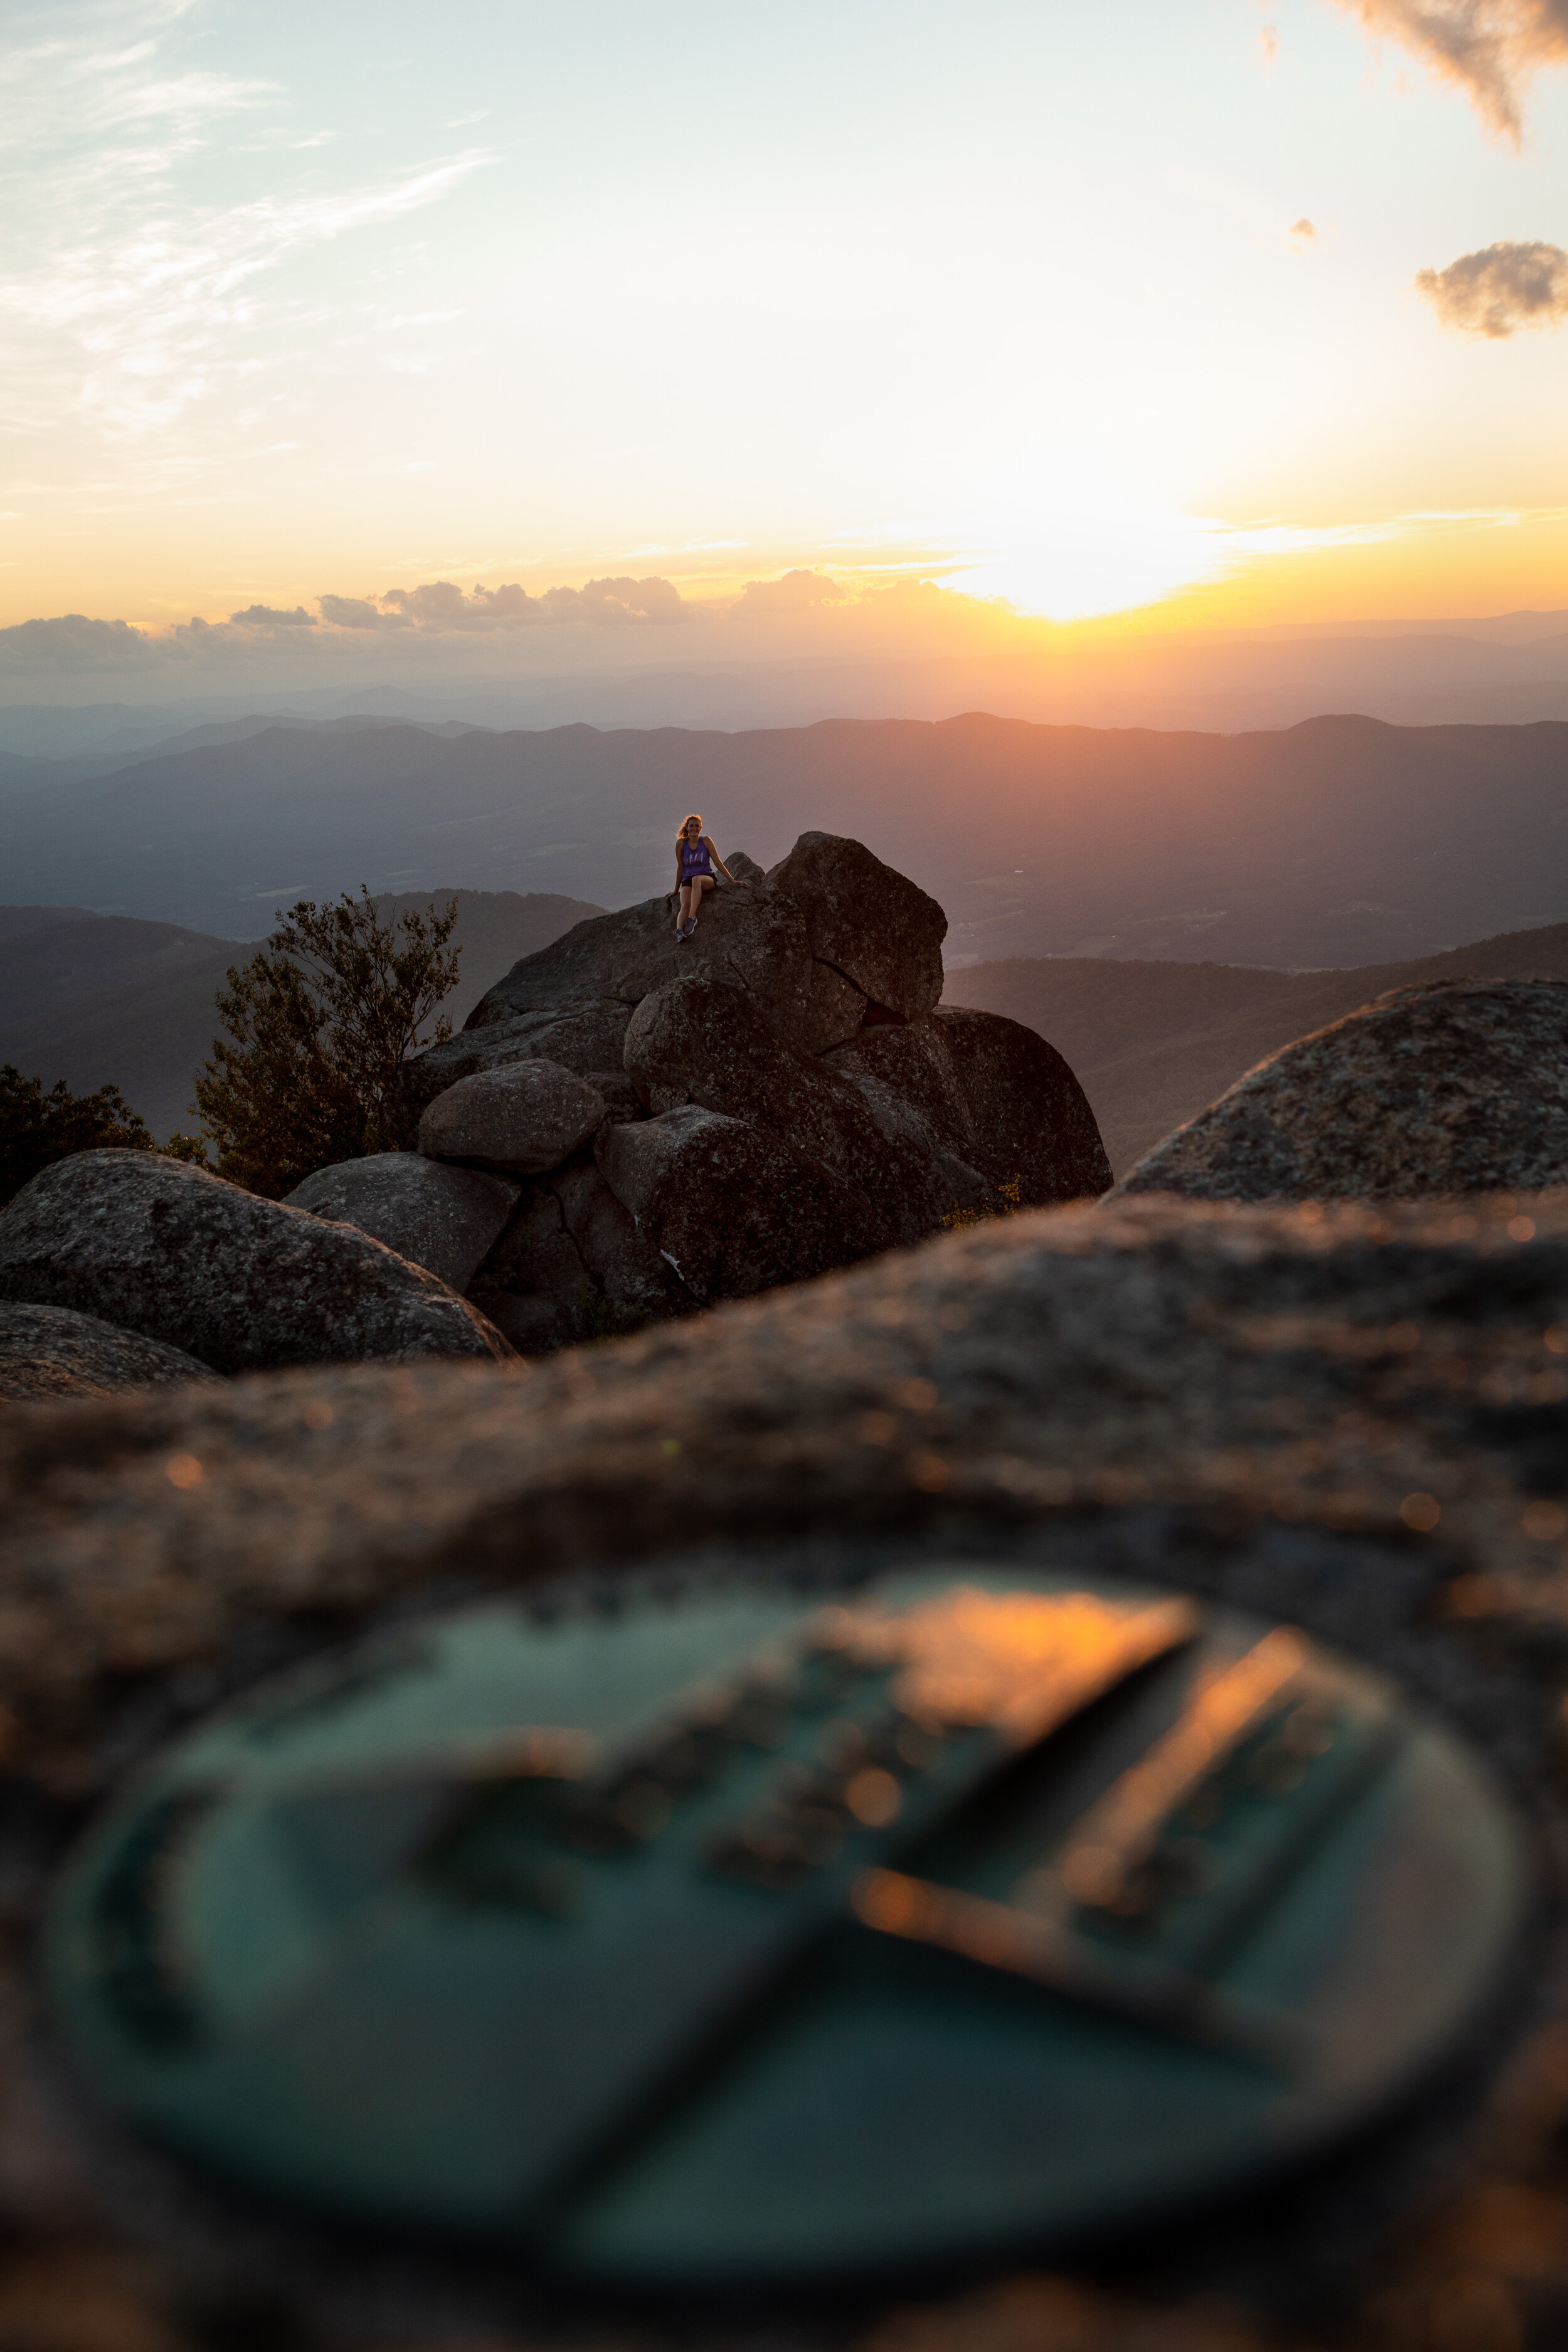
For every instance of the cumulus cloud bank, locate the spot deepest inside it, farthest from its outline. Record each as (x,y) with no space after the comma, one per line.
(440,604)
(1500,289)
(1491,47)
(71,641)
(796,592)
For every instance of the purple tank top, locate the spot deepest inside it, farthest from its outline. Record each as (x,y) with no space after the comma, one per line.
(694,858)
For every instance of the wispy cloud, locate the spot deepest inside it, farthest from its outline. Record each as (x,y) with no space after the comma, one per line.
(127,297)
(1499,289)
(1491,48)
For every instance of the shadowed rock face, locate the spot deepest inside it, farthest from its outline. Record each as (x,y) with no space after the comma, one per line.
(1242,1402)
(52,1352)
(443,1219)
(515,1121)
(1457,1087)
(166,1250)
(846,1113)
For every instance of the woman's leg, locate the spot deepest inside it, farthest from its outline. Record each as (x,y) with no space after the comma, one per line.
(699,889)
(684,905)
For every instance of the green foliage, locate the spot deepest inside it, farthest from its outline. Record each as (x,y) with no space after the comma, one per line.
(320,1023)
(190,1147)
(1011,1196)
(37,1129)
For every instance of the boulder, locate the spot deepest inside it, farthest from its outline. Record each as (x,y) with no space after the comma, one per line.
(986,1096)
(583,1037)
(707,1039)
(734,1208)
(442,1218)
(517,1120)
(164,1249)
(1459,1086)
(54,1352)
(572,1266)
(875,927)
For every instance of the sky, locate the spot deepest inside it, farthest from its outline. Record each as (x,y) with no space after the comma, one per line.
(330,328)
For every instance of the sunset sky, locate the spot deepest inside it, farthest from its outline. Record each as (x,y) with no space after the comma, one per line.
(1094,309)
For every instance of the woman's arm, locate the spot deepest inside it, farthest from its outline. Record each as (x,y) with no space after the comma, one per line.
(718,861)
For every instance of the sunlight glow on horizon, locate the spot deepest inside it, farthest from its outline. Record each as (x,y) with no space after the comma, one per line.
(304,306)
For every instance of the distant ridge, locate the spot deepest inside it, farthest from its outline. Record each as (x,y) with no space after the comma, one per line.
(1339,841)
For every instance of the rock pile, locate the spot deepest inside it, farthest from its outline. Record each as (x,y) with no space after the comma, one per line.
(1460,1086)
(699,1120)
(630,1128)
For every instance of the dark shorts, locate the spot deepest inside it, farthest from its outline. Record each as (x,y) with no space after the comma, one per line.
(702,875)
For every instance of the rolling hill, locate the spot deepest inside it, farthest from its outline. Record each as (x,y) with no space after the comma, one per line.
(1154,1043)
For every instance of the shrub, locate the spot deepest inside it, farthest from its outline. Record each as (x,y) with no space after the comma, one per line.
(37,1128)
(321,1024)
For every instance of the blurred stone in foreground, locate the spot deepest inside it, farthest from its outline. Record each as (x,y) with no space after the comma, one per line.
(1459,1086)
(1349,1418)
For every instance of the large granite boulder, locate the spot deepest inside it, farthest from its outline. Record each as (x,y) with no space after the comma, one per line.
(517,1120)
(704,1039)
(442,1218)
(1345,1416)
(734,1208)
(1457,1087)
(878,930)
(52,1352)
(161,1248)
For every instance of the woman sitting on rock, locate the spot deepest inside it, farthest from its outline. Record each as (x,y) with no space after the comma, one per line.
(695,858)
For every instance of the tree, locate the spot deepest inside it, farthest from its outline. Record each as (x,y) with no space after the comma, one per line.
(321,1024)
(37,1129)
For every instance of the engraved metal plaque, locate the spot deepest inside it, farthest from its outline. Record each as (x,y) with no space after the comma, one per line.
(736,1937)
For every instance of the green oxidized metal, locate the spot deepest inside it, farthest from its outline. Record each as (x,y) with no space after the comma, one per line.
(738,1937)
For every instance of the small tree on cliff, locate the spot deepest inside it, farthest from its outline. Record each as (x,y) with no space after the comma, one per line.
(320,1026)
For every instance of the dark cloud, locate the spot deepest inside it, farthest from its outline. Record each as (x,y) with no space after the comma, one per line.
(73,641)
(1491,47)
(1500,289)
(270,617)
(440,604)
(796,592)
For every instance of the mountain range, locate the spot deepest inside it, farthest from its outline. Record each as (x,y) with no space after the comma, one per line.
(1342,841)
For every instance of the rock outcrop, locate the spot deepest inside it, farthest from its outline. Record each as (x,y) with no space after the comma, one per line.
(777,1096)
(444,1219)
(158,1248)
(52,1352)
(1461,1087)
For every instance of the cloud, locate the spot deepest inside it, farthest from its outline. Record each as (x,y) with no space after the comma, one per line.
(357,613)
(73,642)
(440,604)
(270,617)
(128,299)
(1491,47)
(1301,232)
(795,592)
(1500,289)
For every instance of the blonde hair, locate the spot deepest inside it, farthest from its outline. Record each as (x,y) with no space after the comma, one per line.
(685,821)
